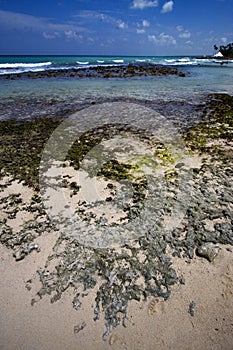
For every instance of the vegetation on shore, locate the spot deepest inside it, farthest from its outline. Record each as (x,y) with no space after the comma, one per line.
(226,50)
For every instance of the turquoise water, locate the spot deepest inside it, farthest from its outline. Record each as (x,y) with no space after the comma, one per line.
(201,79)
(18,64)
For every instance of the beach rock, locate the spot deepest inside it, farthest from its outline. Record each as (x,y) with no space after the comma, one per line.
(192,308)
(123,71)
(80,327)
(19,254)
(208,251)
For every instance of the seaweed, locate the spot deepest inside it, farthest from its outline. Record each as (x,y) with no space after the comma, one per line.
(141,267)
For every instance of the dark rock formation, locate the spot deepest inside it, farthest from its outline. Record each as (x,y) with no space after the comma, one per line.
(124,71)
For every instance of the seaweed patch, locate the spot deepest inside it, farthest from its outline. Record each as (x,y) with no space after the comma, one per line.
(139,267)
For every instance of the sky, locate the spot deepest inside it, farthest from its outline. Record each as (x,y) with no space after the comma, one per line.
(114,27)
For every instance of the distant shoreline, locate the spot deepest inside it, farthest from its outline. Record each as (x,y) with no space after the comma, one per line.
(214,57)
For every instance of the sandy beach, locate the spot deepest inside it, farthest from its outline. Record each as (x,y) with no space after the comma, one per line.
(152,324)
(116,175)
(155,267)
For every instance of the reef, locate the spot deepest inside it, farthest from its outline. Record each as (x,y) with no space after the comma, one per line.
(124,71)
(141,267)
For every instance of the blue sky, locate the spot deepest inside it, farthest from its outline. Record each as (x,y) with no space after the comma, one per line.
(120,27)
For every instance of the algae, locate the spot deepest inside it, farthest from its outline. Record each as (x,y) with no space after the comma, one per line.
(140,268)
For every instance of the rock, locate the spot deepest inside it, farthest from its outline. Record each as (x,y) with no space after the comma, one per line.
(80,327)
(179,165)
(208,251)
(192,308)
(19,255)
(32,246)
(123,71)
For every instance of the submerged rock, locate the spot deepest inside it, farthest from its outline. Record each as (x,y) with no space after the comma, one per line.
(208,251)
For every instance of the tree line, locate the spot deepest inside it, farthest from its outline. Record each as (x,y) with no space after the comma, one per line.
(226,50)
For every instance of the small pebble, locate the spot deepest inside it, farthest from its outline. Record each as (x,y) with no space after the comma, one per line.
(192,308)
(208,251)
(179,165)
(80,327)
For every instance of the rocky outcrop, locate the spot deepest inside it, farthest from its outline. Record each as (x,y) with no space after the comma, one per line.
(124,71)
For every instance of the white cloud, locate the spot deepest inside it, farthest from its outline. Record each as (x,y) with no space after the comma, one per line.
(48,29)
(167,7)
(49,36)
(162,39)
(121,25)
(185,35)
(179,28)
(224,40)
(141,4)
(95,15)
(145,23)
(140,31)
(70,34)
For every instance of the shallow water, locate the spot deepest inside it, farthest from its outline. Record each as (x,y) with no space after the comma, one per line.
(199,80)
(54,97)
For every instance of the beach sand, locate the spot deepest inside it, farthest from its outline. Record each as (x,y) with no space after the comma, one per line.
(197,315)
(151,324)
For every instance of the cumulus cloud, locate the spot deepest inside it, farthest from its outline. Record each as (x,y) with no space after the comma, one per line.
(224,40)
(145,23)
(185,35)
(95,15)
(162,39)
(179,28)
(49,36)
(70,34)
(141,4)
(140,31)
(121,25)
(167,7)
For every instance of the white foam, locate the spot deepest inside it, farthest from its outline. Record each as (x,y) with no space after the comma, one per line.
(179,62)
(170,61)
(79,62)
(118,61)
(24,65)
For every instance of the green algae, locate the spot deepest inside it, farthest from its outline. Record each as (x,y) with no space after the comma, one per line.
(214,133)
(114,170)
(142,268)
(21,146)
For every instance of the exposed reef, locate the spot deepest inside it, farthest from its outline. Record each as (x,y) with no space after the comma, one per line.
(141,267)
(124,71)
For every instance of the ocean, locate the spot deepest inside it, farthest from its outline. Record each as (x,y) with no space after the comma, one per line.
(25,98)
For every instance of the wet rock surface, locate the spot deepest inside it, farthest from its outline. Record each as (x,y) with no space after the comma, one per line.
(182,114)
(142,267)
(124,71)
